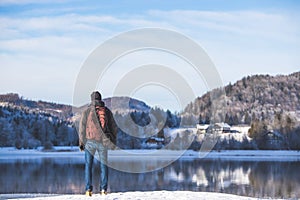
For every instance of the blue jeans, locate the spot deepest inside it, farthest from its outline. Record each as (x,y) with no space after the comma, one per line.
(90,149)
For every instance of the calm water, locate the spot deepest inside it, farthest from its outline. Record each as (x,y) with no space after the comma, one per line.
(66,175)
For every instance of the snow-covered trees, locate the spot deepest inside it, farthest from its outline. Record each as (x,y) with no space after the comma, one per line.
(23,129)
(138,126)
(280,133)
(251,96)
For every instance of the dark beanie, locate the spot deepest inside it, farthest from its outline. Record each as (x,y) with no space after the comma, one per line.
(96,96)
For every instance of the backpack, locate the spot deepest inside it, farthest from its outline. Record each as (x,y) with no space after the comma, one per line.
(97,127)
(95,124)
(101,116)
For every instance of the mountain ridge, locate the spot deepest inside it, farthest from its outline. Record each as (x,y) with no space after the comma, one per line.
(64,111)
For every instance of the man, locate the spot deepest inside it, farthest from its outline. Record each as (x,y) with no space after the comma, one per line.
(97,132)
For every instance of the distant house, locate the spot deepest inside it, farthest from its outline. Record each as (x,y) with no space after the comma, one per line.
(202,127)
(223,127)
(274,139)
(155,142)
(218,127)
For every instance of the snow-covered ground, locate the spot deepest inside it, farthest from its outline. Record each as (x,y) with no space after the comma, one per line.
(171,195)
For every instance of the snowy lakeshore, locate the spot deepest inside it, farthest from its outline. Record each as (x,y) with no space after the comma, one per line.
(156,195)
(7,153)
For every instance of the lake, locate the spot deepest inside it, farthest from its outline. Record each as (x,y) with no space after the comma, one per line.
(65,175)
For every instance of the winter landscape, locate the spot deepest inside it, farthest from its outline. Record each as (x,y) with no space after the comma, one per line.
(247,154)
(38,137)
(205,95)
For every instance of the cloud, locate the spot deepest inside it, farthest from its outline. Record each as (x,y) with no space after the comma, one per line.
(243,23)
(55,25)
(244,42)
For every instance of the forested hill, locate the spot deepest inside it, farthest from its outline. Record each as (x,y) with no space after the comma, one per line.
(253,97)
(58,110)
(29,124)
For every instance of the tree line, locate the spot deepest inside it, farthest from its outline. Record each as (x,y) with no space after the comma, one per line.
(24,129)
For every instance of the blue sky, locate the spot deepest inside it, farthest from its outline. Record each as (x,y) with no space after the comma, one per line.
(43,44)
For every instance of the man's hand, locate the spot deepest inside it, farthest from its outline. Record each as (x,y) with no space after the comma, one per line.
(81,147)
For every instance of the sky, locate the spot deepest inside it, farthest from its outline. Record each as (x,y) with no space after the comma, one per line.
(44,44)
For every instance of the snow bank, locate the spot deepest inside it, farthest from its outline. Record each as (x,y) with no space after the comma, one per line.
(167,195)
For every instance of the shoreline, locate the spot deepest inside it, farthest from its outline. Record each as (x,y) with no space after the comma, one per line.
(7,153)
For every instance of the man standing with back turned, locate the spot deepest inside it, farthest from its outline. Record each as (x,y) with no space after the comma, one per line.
(97,132)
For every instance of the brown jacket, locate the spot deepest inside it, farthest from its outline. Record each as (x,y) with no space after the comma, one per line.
(107,135)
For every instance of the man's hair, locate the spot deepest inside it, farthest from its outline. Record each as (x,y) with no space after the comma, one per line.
(96,96)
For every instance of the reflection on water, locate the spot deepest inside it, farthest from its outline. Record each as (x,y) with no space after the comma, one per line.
(258,179)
